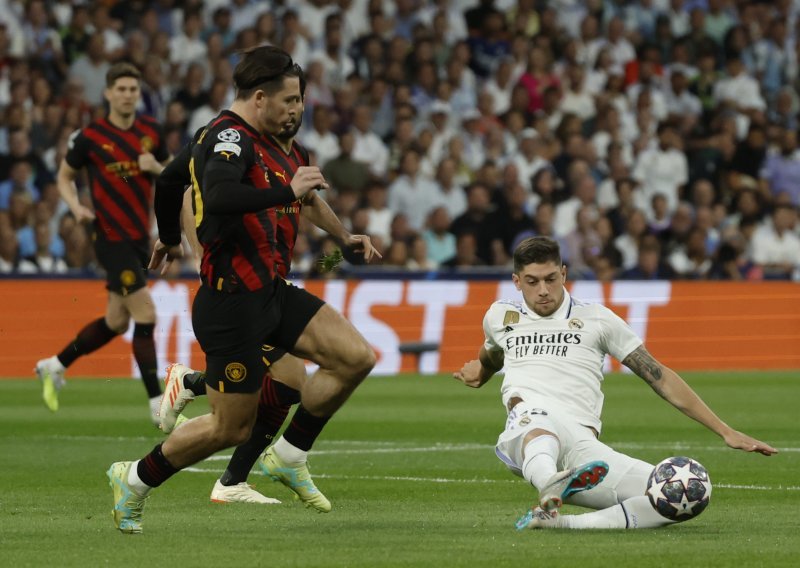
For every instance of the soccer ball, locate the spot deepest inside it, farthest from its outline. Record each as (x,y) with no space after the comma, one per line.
(679,488)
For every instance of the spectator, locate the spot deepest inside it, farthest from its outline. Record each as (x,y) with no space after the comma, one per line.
(781,171)
(691,260)
(466,253)
(319,137)
(188,47)
(776,246)
(344,173)
(413,194)
(440,242)
(649,265)
(379,216)
(663,169)
(451,194)
(90,70)
(368,148)
(481,220)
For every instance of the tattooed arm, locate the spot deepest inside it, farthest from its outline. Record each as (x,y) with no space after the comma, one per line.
(672,388)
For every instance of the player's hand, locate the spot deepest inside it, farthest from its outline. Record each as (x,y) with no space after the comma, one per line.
(162,251)
(149,164)
(362,244)
(307,178)
(740,441)
(83,214)
(470,374)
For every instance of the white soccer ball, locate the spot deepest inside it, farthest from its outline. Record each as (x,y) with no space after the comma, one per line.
(679,488)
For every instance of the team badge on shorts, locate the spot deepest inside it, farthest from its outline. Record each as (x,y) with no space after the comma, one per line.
(524,421)
(229,135)
(575,323)
(127,278)
(235,372)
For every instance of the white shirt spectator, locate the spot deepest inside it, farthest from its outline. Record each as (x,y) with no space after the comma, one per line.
(741,90)
(184,50)
(325,146)
(768,247)
(682,104)
(415,197)
(371,150)
(659,171)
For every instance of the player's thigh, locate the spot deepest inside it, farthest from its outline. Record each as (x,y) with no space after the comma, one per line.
(289,370)
(330,341)
(140,306)
(523,419)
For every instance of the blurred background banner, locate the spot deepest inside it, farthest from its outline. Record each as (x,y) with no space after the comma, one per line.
(428,326)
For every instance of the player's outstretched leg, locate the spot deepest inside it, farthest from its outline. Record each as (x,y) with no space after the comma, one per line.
(51,372)
(632,513)
(568,482)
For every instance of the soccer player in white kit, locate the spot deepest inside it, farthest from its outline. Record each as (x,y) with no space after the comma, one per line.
(552,347)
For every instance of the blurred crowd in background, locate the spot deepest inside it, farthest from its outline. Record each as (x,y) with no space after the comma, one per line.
(654,139)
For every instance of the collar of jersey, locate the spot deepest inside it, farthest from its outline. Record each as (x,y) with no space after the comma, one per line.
(244,124)
(562,312)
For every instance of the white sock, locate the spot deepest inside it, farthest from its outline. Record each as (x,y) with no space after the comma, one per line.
(633,513)
(57,363)
(291,455)
(135,483)
(539,463)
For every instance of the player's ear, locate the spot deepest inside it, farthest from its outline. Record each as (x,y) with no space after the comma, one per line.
(516,281)
(564,272)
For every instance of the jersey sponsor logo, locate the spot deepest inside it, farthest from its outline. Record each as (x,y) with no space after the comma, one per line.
(575,323)
(235,372)
(511,317)
(228,149)
(229,135)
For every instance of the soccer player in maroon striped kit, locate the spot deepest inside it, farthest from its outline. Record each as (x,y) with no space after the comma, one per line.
(243,302)
(122,153)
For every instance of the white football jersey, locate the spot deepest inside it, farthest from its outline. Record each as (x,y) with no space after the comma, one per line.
(557,361)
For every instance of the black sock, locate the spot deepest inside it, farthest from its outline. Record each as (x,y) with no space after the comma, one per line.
(304,429)
(144,351)
(195,382)
(272,411)
(90,338)
(154,469)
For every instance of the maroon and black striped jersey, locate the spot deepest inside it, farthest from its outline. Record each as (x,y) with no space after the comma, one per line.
(283,166)
(121,193)
(239,250)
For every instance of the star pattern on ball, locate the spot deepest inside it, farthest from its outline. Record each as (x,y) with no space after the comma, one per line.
(684,507)
(683,474)
(655,490)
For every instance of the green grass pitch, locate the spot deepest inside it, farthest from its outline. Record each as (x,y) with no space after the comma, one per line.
(409,466)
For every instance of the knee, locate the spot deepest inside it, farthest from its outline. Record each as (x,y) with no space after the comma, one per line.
(362,359)
(118,325)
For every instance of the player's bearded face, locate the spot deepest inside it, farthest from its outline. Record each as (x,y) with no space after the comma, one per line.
(283,111)
(542,286)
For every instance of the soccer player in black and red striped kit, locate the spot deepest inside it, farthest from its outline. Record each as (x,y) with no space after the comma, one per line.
(243,303)
(122,153)
(286,461)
